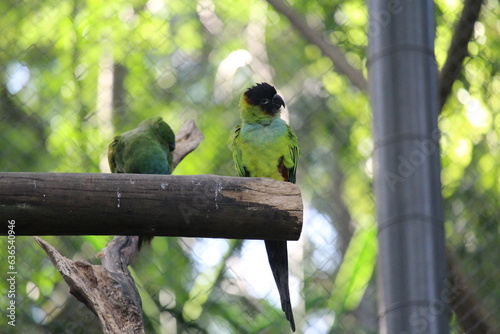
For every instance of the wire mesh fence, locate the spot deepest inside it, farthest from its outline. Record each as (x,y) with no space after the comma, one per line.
(75,73)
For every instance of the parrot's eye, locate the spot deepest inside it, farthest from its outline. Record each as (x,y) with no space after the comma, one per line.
(264,101)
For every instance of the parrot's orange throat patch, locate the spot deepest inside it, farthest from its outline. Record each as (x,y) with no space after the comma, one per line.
(247,99)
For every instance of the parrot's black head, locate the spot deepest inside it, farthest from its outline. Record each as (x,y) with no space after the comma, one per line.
(265,96)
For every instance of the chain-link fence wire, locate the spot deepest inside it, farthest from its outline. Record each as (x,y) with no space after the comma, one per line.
(76,73)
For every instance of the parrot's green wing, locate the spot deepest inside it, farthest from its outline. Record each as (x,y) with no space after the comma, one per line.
(294,150)
(112,155)
(237,153)
(147,149)
(165,134)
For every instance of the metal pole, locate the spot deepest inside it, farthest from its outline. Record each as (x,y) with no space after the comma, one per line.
(404,99)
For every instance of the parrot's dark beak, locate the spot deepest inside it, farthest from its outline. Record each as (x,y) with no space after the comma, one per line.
(278,102)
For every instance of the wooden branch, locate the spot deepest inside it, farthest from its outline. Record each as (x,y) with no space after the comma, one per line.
(458,49)
(187,140)
(154,205)
(329,50)
(108,290)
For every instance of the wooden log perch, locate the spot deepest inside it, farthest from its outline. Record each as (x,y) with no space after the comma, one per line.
(155,205)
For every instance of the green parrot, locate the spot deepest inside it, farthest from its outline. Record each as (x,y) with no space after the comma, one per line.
(265,146)
(147,149)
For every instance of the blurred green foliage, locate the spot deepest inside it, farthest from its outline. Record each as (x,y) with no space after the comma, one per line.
(75,73)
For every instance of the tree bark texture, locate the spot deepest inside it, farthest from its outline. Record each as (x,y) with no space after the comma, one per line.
(108,290)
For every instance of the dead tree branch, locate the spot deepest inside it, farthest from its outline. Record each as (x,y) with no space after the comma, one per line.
(187,140)
(329,50)
(108,290)
(458,49)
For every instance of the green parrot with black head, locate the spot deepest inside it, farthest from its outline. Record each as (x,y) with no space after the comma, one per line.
(147,149)
(265,146)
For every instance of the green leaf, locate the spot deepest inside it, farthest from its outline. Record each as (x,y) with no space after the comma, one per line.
(355,271)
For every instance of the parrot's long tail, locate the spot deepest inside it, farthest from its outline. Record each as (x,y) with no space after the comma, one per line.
(278,259)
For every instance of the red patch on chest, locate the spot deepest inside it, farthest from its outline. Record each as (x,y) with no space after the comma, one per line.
(283,170)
